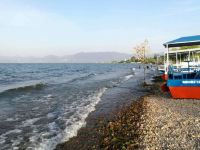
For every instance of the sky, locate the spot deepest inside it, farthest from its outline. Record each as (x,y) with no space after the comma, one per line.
(63,27)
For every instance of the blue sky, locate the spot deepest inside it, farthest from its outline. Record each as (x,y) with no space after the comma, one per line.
(63,27)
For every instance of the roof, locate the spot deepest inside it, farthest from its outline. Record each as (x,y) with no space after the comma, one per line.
(184,51)
(184,41)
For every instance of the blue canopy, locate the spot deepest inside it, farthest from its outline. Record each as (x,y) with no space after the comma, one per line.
(184,41)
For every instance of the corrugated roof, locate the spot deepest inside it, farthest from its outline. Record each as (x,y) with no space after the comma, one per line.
(184,41)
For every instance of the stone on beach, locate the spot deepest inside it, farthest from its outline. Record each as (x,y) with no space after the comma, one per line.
(156,122)
(153,122)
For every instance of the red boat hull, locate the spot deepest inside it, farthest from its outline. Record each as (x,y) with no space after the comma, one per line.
(185,92)
(164,77)
(164,87)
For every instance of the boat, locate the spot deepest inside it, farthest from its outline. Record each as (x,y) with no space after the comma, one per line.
(183,80)
(184,83)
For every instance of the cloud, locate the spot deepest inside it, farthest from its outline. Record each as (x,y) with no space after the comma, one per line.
(35,19)
(33,31)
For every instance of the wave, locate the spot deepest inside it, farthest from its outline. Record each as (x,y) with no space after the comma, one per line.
(128,77)
(83,77)
(24,88)
(29,122)
(74,123)
(133,70)
(3,138)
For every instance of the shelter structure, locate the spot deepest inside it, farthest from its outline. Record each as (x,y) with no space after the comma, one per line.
(181,51)
(183,74)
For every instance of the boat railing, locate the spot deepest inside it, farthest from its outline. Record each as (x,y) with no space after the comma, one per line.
(175,73)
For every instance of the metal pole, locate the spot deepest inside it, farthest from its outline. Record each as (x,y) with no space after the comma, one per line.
(193,59)
(189,56)
(157,60)
(157,64)
(167,58)
(144,65)
(176,60)
(164,58)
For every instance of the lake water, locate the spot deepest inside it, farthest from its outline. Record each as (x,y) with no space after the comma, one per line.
(42,105)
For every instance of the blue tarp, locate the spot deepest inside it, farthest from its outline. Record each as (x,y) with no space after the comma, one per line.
(184,41)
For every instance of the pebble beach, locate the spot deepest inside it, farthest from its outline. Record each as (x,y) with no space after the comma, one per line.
(154,121)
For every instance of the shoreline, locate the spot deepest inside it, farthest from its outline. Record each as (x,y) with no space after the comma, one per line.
(88,136)
(154,121)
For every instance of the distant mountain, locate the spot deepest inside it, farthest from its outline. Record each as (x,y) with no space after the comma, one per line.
(30,59)
(84,57)
(97,57)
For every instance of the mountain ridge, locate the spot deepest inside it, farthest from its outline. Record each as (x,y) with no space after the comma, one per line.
(82,57)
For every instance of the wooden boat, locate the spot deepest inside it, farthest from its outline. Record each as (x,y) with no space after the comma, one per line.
(184,82)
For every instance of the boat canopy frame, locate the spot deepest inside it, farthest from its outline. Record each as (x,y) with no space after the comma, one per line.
(183,41)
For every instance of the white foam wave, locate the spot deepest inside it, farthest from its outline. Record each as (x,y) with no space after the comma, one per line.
(50,115)
(73,124)
(128,77)
(11,119)
(29,122)
(49,96)
(13,131)
(78,119)
(133,69)
(3,137)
